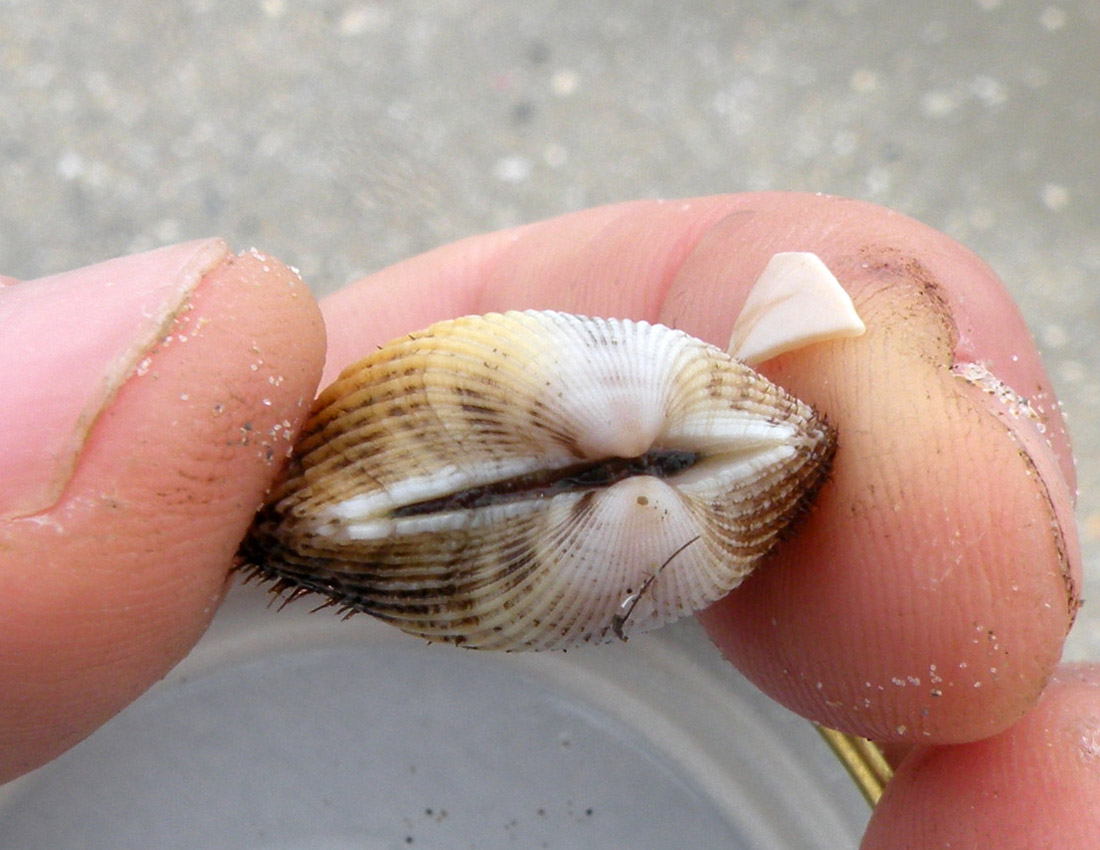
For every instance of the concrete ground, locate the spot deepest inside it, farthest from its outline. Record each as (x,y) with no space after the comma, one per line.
(343,136)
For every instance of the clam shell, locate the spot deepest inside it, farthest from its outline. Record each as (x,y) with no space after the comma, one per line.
(520,481)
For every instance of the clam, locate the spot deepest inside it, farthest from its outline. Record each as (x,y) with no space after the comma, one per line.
(534,480)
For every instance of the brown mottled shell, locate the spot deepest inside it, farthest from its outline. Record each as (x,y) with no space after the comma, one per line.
(520,481)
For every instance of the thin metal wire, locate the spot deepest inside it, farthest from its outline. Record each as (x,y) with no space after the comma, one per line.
(862,759)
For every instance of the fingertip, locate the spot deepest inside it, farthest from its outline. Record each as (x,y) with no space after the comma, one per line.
(111,586)
(927,594)
(1034,785)
(924,596)
(70,341)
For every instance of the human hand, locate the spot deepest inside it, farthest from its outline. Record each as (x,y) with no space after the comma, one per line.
(944,513)
(925,599)
(148,403)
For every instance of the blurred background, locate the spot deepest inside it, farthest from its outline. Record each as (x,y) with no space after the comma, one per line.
(343,136)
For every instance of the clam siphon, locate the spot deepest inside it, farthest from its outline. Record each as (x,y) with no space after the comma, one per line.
(532,480)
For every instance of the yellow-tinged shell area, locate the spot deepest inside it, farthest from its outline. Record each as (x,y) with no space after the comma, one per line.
(522,480)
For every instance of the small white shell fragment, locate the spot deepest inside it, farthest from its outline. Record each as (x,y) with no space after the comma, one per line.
(532,480)
(796,301)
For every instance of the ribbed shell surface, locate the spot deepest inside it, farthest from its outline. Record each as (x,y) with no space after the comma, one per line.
(453,482)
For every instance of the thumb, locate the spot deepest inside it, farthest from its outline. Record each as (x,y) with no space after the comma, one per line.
(149,401)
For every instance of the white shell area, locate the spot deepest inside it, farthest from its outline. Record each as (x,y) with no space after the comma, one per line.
(796,301)
(458,481)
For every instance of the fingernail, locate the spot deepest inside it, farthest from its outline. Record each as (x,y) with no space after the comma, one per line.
(67,343)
